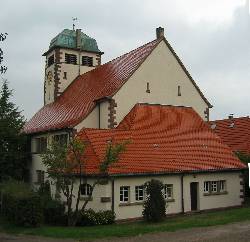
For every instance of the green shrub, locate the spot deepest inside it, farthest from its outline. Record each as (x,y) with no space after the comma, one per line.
(154,207)
(90,217)
(20,204)
(54,213)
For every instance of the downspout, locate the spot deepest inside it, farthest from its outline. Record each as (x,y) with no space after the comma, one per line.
(113,195)
(182,196)
(99,114)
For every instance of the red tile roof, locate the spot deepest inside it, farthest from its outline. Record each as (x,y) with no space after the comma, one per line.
(78,100)
(163,139)
(234,132)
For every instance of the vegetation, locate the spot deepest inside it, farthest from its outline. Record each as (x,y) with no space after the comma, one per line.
(136,228)
(13,144)
(20,205)
(245,159)
(154,207)
(62,161)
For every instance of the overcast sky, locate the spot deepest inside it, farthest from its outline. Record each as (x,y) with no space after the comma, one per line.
(212,38)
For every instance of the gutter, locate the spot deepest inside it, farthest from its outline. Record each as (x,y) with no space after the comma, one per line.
(182,195)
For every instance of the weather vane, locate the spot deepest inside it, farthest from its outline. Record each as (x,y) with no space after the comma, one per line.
(74,20)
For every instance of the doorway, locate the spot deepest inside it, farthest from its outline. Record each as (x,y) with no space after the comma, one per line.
(194,195)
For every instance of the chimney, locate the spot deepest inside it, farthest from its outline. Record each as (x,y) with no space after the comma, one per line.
(231,116)
(78,38)
(159,32)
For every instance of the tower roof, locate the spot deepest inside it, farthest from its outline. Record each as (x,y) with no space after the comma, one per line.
(67,39)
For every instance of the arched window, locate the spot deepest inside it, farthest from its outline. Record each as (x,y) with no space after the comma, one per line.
(85,189)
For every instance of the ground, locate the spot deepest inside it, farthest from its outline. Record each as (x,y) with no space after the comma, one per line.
(224,233)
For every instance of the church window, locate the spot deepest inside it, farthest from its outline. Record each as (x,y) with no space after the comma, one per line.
(87,61)
(148,90)
(41,145)
(70,59)
(51,60)
(65,75)
(179,90)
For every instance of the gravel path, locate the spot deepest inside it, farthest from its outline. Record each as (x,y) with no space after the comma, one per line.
(225,233)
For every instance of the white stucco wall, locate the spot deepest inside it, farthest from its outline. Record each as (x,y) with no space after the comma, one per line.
(164,75)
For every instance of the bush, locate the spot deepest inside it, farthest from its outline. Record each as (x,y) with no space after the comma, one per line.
(54,213)
(21,205)
(154,207)
(90,217)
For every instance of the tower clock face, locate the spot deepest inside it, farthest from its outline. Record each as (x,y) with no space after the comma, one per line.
(49,77)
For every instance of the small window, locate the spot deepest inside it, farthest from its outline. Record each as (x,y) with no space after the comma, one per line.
(148,89)
(214,187)
(61,139)
(139,193)
(206,186)
(51,60)
(40,176)
(85,189)
(124,194)
(222,186)
(41,145)
(64,75)
(70,59)
(168,191)
(87,61)
(179,90)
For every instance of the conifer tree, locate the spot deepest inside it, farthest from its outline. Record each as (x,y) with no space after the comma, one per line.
(12,142)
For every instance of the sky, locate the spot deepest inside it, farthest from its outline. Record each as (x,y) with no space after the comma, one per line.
(212,38)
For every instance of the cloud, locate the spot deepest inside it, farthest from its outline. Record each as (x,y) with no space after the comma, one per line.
(211,37)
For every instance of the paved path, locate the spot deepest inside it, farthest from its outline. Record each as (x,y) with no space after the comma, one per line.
(237,232)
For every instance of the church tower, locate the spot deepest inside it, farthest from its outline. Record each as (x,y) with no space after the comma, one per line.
(71,53)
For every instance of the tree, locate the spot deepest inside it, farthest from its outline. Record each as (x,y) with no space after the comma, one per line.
(245,158)
(13,155)
(63,161)
(154,207)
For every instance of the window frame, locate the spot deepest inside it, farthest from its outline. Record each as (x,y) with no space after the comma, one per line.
(41,145)
(51,60)
(70,59)
(215,187)
(139,193)
(123,198)
(86,187)
(61,139)
(166,187)
(87,61)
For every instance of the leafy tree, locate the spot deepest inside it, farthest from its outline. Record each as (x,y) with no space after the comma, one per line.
(245,158)
(13,144)
(62,162)
(154,207)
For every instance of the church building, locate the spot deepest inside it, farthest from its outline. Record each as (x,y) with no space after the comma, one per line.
(147,96)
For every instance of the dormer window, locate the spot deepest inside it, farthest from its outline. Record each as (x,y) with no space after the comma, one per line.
(87,61)
(51,60)
(70,59)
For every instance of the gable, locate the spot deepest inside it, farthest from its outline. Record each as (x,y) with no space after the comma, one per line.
(163,72)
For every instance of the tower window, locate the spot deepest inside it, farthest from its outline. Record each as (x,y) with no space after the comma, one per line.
(64,75)
(87,61)
(70,59)
(179,90)
(51,60)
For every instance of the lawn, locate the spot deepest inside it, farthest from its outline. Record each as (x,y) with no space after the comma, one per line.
(136,228)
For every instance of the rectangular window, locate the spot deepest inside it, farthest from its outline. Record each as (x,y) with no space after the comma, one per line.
(40,176)
(168,191)
(41,145)
(139,193)
(206,186)
(85,189)
(51,60)
(222,186)
(70,59)
(124,194)
(87,61)
(64,75)
(61,139)
(179,90)
(214,186)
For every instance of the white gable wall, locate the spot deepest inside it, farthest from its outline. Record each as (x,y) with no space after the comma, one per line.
(164,74)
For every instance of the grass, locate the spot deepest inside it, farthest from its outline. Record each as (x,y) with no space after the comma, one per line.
(136,228)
